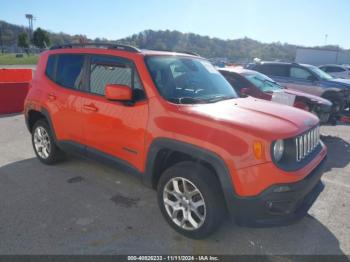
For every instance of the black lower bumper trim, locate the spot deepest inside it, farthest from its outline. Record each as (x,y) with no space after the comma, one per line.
(280,204)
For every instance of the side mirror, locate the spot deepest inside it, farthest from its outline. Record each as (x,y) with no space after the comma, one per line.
(116,92)
(244,92)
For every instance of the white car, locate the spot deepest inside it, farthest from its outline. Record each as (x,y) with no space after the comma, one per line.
(337,71)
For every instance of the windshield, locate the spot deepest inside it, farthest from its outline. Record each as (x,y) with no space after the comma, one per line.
(262,82)
(321,74)
(188,80)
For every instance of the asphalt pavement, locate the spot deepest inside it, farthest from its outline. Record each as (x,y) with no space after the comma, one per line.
(84,207)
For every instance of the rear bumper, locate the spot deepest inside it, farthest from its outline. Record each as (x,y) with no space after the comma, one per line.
(280,204)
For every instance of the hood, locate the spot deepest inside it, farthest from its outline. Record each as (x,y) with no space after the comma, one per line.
(315,99)
(264,119)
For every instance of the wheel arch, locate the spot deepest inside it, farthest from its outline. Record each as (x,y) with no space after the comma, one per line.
(163,149)
(331,92)
(33,115)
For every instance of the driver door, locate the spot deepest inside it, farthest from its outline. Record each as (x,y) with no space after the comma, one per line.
(114,128)
(301,80)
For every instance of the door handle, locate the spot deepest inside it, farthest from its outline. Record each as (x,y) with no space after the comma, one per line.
(51,97)
(90,107)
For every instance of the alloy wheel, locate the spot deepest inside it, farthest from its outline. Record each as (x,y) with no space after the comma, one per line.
(42,142)
(184,203)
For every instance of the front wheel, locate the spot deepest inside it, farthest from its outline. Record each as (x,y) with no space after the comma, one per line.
(191,201)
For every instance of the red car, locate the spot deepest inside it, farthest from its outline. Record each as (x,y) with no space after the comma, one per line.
(252,83)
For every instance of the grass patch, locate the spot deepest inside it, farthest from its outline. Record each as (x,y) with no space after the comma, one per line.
(11,59)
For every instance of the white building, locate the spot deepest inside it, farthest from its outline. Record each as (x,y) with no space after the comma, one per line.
(322,56)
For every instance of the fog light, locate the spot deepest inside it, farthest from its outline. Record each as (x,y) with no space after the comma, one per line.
(280,207)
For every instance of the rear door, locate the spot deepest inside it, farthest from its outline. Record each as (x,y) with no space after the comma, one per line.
(111,127)
(303,80)
(66,74)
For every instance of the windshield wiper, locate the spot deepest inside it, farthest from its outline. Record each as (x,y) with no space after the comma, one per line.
(219,98)
(186,100)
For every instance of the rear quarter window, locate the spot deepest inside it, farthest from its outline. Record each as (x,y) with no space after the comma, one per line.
(69,72)
(50,67)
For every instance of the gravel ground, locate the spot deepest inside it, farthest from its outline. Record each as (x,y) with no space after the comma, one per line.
(83,207)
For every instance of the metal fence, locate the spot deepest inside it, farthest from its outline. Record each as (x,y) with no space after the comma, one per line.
(20,50)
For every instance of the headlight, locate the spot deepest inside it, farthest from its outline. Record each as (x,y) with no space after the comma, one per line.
(278,150)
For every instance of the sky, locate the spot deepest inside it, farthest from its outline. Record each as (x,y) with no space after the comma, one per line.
(302,22)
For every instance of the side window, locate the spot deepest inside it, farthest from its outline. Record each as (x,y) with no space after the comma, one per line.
(113,70)
(337,69)
(274,70)
(69,71)
(300,73)
(236,81)
(50,67)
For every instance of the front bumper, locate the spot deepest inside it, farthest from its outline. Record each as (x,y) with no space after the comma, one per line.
(276,206)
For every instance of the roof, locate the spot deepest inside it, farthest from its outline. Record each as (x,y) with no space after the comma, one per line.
(281,63)
(157,52)
(237,70)
(274,63)
(335,65)
(121,47)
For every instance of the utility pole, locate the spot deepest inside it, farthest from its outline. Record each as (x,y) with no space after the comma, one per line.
(30,18)
(1,41)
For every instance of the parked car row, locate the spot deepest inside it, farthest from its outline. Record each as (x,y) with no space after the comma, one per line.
(177,123)
(252,83)
(311,80)
(337,71)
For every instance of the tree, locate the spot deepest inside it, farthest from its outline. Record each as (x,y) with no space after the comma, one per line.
(23,40)
(41,38)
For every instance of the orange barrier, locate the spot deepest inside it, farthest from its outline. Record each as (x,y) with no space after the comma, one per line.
(15,75)
(14,85)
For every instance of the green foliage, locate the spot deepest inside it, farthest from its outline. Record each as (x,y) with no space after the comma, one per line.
(23,40)
(238,50)
(41,38)
(11,59)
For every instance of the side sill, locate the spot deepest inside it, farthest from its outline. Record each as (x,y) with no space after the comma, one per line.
(77,149)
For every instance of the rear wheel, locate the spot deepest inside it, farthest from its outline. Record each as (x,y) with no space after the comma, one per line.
(44,144)
(191,201)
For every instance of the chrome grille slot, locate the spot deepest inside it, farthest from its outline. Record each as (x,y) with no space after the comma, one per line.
(306,143)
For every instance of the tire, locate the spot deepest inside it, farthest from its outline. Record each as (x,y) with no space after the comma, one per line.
(338,102)
(44,144)
(207,217)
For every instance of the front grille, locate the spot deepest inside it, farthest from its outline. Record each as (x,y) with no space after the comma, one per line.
(306,143)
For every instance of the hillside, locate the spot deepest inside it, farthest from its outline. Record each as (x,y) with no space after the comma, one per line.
(241,50)
(10,34)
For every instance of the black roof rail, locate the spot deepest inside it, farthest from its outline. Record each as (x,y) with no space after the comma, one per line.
(118,46)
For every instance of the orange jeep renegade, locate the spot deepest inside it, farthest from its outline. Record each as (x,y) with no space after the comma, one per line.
(175,121)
